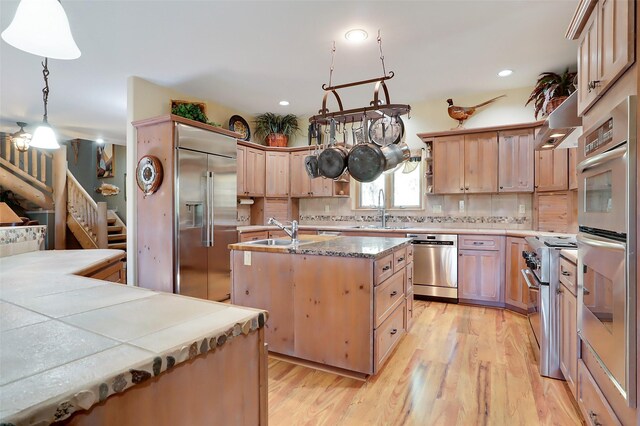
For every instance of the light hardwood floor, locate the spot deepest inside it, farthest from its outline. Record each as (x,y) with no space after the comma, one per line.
(458,365)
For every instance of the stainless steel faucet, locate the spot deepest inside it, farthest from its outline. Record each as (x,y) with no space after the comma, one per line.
(382,210)
(292,232)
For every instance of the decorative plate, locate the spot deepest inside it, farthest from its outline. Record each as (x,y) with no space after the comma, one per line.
(149,174)
(386,130)
(239,125)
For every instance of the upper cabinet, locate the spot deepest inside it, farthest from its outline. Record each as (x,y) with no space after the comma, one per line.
(465,163)
(605,49)
(573,168)
(551,170)
(251,171)
(301,184)
(277,178)
(515,161)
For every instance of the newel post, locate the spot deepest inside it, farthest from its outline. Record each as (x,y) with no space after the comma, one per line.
(103,239)
(60,196)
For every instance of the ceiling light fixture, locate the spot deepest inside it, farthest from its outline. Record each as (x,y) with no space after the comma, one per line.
(505,73)
(100,141)
(356,35)
(44,136)
(21,139)
(41,27)
(284,103)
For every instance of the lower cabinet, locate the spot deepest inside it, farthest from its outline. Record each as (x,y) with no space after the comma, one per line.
(568,337)
(516,291)
(253,236)
(111,270)
(481,271)
(594,406)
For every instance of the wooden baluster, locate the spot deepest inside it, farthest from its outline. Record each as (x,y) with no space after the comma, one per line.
(7,148)
(43,168)
(34,162)
(14,155)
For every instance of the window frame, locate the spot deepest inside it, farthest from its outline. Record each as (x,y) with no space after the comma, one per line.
(388,193)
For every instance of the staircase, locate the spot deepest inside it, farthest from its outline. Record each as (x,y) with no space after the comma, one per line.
(116,232)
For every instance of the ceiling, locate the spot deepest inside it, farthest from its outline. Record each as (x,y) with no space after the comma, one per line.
(249,55)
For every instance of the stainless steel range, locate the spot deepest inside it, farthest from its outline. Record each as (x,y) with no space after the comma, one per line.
(542,279)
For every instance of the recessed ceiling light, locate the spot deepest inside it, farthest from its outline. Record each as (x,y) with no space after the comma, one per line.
(356,35)
(99,141)
(284,103)
(505,73)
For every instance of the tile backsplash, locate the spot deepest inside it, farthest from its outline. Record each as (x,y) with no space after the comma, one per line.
(21,239)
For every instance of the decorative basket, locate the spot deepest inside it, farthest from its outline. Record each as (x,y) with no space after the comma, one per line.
(553,103)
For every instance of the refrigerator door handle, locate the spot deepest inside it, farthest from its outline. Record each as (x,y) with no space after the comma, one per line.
(210,198)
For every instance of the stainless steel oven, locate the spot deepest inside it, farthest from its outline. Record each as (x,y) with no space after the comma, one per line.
(606,245)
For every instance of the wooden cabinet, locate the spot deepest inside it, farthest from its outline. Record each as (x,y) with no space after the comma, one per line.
(110,270)
(251,171)
(573,168)
(300,181)
(253,236)
(592,403)
(516,291)
(465,163)
(277,176)
(568,336)
(605,49)
(481,271)
(555,211)
(551,170)
(515,160)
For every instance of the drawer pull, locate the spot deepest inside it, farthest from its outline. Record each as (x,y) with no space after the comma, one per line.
(478,243)
(394,331)
(566,273)
(594,418)
(559,291)
(393,293)
(400,259)
(592,85)
(386,268)
(585,291)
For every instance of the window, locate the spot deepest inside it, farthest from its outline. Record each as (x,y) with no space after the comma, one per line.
(402,190)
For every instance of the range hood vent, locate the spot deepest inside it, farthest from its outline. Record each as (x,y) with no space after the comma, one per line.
(562,128)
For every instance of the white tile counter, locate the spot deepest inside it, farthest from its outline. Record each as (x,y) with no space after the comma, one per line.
(69,342)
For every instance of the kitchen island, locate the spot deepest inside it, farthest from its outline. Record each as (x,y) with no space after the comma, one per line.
(85,351)
(340,302)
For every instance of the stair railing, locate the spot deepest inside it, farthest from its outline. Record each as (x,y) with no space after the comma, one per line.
(90,215)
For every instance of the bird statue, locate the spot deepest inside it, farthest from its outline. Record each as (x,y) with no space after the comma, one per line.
(462,113)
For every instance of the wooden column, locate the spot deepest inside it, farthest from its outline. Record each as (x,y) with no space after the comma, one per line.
(60,196)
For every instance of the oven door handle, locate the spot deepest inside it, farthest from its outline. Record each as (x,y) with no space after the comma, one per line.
(525,274)
(600,243)
(600,159)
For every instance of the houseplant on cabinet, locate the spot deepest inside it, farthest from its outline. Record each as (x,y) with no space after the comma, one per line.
(551,90)
(275,128)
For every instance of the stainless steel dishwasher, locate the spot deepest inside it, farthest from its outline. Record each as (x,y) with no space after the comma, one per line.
(435,265)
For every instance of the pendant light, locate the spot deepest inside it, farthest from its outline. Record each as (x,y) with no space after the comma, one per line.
(44,136)
(21,139)
(41,27)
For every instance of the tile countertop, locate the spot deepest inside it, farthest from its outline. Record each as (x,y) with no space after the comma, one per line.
(322,245)
(458,231)
(69,342)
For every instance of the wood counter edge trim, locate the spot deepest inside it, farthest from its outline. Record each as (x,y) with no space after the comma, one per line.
(176,118)
(506,127)
(94,267)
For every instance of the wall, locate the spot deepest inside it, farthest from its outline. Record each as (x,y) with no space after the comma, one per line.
(84,170)
(482,211)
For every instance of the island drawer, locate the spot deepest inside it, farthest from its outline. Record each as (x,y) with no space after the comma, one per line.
(387,336)
(399,259)
(382,269)
(568,272)
(591,401)
(479,242)
(387,296)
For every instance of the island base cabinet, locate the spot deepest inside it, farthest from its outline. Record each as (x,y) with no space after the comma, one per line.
(226,386)
(388,335)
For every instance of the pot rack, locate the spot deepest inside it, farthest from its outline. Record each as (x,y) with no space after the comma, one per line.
(376,108)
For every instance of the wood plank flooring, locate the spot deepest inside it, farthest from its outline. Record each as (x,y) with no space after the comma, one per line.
(458,365)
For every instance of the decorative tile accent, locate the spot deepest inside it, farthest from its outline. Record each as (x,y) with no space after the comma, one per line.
(336,220)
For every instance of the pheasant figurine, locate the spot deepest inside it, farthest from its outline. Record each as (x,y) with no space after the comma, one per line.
(462,113)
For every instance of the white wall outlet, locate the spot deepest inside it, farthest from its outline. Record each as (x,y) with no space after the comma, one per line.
(327,208)
(522,209)
(461,206)
(437,208)
(247,258)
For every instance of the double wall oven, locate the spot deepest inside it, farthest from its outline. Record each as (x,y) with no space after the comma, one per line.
(607,246)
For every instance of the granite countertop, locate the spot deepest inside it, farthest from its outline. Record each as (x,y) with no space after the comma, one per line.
(457,231)
(324,245)
(571,255)
(69,342)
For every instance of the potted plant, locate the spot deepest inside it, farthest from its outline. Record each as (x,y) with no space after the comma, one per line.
(551,90)
(275,128)
(196,111)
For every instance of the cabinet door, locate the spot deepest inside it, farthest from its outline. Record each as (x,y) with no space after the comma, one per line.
(479,275)
(551,170)
(241,160)
(481,163)
(300,182)
(255,172)
(448,165)
(515,161)
(277,174)
(588,63)
(568,337)
(321,187)
(615,39)
(573,168)
(516,293)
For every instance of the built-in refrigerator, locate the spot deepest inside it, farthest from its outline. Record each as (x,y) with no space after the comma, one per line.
(205,212)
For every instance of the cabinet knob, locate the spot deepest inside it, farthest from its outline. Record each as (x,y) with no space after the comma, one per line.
(566,273)
(394,331)
(559,291)
(461,188)
(393,293)
(592,85)
(502,187)
(466,188)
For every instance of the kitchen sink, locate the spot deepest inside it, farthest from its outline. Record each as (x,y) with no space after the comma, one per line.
(274,242)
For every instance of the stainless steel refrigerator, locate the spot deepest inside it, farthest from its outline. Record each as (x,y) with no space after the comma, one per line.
(206,212)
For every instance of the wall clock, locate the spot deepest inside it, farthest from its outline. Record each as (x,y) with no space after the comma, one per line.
(149,174)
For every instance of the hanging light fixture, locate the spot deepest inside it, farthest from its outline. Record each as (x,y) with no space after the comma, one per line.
(44,136)
(21,139)
(41,27)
